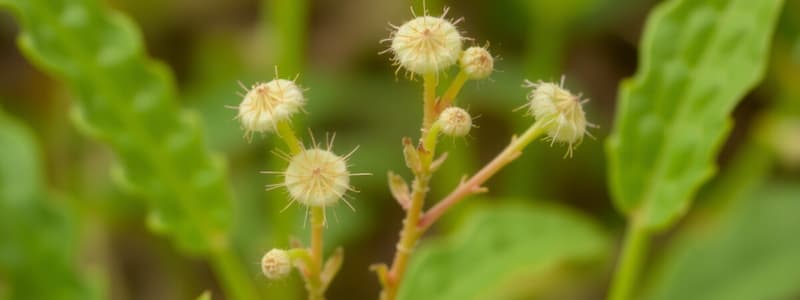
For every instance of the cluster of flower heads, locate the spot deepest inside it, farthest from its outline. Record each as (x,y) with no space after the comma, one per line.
(430,45)
(314,176)
(427,44)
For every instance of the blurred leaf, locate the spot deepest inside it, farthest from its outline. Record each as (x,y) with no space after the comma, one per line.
(128,101)
(699,58)
(751,251)
(37,238)
(498,245)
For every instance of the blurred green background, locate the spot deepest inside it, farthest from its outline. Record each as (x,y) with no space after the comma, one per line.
(333,45)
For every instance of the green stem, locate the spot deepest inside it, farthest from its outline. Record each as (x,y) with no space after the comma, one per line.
(235,279)
(629,265)
(429,99)
(286,133)
(452,91)
(289,20)
(410,233)
(314,280)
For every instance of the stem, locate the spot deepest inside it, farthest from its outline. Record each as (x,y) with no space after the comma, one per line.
(410,233)
(286,133)
(450,95)
(286,20)
(429,98)
(408,238)
(235,279)
(630,262)
(314,280)
(473,185)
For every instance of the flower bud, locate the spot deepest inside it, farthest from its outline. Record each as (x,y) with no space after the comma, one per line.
(477,62)
(455,121)
(559,111)
(426,45)
(266,104)
(276,264)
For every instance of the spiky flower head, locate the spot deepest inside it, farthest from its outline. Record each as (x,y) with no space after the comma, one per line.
(266,104)
(276,264)
(477,62)
(317,177)
(455,121)
(559,111)
(426,44)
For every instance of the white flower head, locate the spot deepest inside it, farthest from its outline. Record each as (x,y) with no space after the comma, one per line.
(266,104)
(455,121)
(426,44)
(316,176)
(477,62)
(559,111)
(276,264)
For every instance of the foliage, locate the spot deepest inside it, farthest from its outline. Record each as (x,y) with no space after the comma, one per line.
(37,235)
(497,245)
(128,101)
(674,114)
(748,252)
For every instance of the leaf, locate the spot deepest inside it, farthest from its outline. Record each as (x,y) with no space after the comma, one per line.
(128,101)
(498,245)
(698,59)
(37,238)
(751,251)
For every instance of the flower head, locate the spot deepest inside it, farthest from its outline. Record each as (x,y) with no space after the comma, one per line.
(559,112)
(477,62)
(455,121)
(316,176)
(265,104)
(276,264)
(426,44)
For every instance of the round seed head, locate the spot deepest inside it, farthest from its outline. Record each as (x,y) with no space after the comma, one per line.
(559,111)
(317,177)
(265,104)
(455,121)
(276,264)
(426,45)
(477,62)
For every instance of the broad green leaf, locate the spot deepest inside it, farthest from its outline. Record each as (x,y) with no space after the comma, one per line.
(37,238)
(501,246)
(128,101)
(698,59)
(752,251)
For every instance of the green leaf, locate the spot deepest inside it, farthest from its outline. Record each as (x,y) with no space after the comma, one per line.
(37,238)
(751,251)
(128,101)
(698,59)
(499,246)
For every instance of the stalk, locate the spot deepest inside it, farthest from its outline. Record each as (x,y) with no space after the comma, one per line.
(313,271)
(630,262)
(473,185)
(235,279)
(410,233)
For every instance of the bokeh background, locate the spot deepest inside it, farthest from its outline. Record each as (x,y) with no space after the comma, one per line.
(210,45)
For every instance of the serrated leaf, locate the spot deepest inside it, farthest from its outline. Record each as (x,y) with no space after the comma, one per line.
(698,59)
(37,238)
(498,245)
(128,101)
(751,251)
